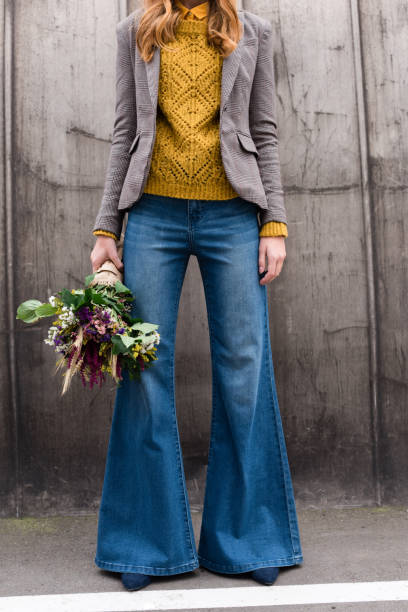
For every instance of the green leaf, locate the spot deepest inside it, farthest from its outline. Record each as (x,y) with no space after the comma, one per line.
(27,311)
(117,345)
(122,343)
(121,288)
(73,300)
(46,310)
(145,327)
(97,298)
(67,297)
(110,302)
(89,278)
(88,294)
(128,341)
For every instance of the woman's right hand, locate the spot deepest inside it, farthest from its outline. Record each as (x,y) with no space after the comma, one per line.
(105,248)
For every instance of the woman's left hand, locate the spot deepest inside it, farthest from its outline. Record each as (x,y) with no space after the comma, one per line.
(272,247)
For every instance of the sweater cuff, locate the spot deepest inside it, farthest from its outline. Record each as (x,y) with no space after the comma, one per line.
(274,228)
(100,232)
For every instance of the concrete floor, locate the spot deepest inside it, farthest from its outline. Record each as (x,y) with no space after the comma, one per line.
(54,555)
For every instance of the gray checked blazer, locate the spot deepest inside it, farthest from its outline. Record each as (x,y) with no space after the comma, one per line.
(248,129)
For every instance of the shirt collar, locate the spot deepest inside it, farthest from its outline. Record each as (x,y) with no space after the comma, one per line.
(199,11)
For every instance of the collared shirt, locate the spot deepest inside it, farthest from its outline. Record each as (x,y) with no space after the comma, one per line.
(197,12)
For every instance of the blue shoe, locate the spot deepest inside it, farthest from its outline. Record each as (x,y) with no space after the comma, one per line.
(133,580)
(265,575)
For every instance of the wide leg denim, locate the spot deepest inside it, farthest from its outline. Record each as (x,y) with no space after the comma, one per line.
(249,517)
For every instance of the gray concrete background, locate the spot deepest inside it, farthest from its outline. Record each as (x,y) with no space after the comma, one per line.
(55,555)
(337,311)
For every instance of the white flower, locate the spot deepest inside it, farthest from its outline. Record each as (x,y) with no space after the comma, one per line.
(67,317)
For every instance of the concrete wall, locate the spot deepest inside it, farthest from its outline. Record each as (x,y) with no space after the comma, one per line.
(338,310)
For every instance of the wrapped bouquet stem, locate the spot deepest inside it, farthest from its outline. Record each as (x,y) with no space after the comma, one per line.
(94,333)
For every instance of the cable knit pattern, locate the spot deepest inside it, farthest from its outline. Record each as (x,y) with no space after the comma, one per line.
(186,161)
(186,158)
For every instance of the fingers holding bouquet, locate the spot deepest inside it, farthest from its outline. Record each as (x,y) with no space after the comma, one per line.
(105,248)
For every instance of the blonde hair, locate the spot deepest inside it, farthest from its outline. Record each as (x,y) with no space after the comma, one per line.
(159,22)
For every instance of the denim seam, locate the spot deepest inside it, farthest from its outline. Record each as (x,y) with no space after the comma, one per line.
(178,448)
(146,567)
(273,402)
(213,399)
(297,557)
(189,228)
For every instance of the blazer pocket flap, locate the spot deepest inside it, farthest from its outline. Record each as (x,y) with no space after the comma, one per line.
(247,142)
(134,143)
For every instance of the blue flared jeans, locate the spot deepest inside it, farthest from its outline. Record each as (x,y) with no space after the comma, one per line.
(249,516)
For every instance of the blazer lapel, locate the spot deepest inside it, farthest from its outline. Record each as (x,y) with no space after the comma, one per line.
(229,72)
(153,73)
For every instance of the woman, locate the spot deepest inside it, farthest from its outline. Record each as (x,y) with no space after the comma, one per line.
(194,159)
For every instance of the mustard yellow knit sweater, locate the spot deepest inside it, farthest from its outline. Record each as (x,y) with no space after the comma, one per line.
(186,158)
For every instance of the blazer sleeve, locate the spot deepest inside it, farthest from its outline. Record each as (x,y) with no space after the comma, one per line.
(109,218)
(263,128)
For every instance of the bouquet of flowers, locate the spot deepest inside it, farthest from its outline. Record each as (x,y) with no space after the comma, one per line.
(94,332)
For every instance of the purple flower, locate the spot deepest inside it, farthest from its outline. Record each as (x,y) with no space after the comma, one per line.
(84,314)
(105,316)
